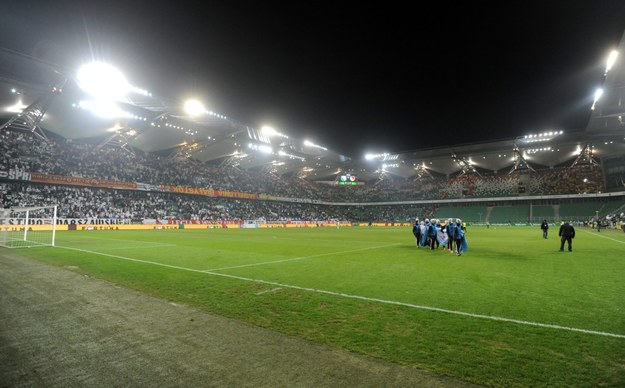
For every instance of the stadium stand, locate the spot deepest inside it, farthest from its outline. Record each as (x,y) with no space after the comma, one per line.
(100,170)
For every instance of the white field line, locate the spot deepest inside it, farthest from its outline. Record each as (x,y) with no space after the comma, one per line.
(266,291)
(141,246)
(301,258)
(383,301)
(598,234)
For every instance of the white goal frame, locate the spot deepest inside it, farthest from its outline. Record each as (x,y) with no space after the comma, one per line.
(26,227)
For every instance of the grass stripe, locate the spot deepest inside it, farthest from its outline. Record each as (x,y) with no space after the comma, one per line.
(301,258)
(142,246)
(389,302)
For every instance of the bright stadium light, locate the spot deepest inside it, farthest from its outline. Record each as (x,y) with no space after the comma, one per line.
(194,107)
(17,108)
(261,147)
(265,149)
(598,94)
(611,59)
(385,156)
(103,81)
(268,131)
(309,143)
(540,137)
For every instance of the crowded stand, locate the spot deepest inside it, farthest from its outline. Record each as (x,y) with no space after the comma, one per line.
(130,186)
(128,206)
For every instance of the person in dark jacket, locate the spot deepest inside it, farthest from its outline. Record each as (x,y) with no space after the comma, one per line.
(567,234)
(460,240)
(545,227)
(416,231)
(432,234)
(450,227)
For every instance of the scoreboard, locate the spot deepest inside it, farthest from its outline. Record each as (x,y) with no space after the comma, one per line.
(348,179)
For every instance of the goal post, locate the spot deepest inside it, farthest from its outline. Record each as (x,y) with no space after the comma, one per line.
(25,227)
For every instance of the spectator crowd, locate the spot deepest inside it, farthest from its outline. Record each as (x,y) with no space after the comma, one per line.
(64,157)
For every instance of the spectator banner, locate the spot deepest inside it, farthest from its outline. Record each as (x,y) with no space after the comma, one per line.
(77,181)
(16,174)
(209,192)
(189,190)
(65,221)
(235,194)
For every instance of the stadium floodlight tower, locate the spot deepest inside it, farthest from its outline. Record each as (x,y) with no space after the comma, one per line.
(585,157)
(520,163)
(466,167)
(421,172)
(29,118)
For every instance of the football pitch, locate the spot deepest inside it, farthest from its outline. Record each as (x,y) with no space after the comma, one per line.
(512,311)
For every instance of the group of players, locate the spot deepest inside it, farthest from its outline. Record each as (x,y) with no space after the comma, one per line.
(432,234)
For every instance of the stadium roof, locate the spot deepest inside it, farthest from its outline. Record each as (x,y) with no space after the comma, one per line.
(154,124)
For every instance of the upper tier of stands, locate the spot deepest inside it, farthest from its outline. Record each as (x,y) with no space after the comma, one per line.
(24,151)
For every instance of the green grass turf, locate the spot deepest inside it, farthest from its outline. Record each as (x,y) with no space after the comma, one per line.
(369,289)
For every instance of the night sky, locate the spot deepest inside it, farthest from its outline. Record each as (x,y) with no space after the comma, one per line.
(355,78)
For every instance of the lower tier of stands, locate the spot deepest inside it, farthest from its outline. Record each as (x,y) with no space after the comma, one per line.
(137,206)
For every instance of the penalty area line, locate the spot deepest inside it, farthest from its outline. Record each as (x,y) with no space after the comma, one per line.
(364,298)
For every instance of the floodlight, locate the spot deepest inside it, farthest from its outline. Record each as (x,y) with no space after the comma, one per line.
(268,131)
(194,107)
(598,94)
(311,144)
(103,81)
(17,108)
(611,60)
(265,149)
(262,148)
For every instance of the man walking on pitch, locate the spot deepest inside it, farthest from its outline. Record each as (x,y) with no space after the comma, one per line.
(545,227)
(567,234)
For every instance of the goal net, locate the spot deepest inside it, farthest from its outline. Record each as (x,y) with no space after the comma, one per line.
(26,227)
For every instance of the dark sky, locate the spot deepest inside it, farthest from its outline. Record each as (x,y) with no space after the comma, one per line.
(356,78)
